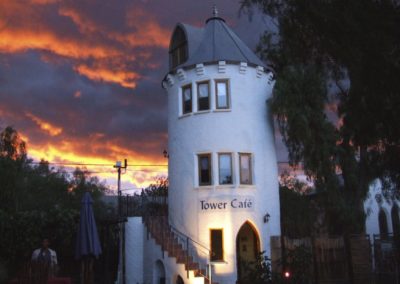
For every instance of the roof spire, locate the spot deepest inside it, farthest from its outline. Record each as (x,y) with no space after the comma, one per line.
(215,11)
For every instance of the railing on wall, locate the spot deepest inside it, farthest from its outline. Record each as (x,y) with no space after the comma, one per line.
(194,255)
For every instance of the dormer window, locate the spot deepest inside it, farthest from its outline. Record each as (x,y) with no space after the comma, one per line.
(178,51)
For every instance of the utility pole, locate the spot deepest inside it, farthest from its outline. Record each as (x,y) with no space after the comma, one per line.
(118,166)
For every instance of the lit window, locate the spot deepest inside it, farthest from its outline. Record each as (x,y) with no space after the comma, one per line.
(187,99)
(203,95)
(245,168)
(204,169)
(225,168)
(222,94)
(217,245)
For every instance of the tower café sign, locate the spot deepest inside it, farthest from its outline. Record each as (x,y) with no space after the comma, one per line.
(226,203)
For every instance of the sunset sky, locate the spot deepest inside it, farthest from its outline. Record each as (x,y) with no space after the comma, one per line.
(81,80)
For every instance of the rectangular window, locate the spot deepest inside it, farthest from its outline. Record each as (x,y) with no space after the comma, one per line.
(225,168)
(222,94)
(217,245)
(204,169)
(187,99)
(245,168)
(203,96)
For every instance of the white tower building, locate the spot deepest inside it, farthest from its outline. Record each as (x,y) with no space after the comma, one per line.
(223,173)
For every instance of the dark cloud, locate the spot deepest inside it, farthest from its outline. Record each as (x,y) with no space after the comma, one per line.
(81,79)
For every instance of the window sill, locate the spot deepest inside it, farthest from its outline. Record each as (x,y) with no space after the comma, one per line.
(206,187)
(202,111)
(218,262)
(222,110)
(185,115)
(222,186)
(250,186)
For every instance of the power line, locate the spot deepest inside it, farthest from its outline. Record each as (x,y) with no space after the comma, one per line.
(96,164)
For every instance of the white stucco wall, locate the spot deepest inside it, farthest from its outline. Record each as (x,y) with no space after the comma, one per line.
(372,207)
(243,128)
(134,246)
(152,255)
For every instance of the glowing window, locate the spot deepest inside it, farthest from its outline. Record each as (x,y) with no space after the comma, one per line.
(245,168)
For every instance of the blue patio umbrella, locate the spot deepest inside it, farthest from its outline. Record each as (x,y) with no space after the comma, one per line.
(87,242)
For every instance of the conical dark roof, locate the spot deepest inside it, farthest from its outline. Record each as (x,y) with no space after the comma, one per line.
(216,42)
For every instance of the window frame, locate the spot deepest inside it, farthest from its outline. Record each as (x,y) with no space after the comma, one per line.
(250,168)
(210,168)
(178,48)
(183,88)
(228,93)
(209,94)
(219,168)
(222,259)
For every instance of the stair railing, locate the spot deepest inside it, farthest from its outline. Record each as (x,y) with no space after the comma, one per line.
(196,252)
(177,243)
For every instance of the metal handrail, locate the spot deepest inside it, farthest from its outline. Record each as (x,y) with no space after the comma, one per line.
(195,242)
(187,243)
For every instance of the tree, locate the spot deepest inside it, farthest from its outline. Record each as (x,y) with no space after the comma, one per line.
(345,56)
(11,144)
(298,210)
(36,201)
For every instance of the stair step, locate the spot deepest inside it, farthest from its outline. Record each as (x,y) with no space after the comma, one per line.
(160,231)
(192,266)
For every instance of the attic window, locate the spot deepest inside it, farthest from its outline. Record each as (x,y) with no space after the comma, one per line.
(178,48)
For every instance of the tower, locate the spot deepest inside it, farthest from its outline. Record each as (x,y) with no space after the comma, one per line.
(222,163)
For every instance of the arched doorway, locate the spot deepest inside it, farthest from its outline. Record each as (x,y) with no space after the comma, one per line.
(383,225)
(247,249)
(159,277)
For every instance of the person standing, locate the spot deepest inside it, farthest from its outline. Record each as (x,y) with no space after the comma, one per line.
(44,261)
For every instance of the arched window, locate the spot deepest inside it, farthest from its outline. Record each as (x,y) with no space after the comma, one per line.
(395,221)
(178,50)
(383,226)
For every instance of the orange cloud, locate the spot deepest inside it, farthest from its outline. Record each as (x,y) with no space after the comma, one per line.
(24,27)
(124,78)
(137,173)
(13,40)
(46,126)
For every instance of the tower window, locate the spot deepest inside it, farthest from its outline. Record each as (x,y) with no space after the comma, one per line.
(178,48)
(203,96)
(222,94)
(217,245)
(187,99)
(245,168)
(204,169)
(225,168)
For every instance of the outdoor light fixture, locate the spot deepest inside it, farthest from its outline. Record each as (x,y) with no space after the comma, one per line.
(266,217)
(165,153)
